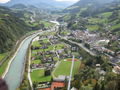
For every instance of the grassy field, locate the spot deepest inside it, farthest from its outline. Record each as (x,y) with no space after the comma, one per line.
(47,24)
(55,58)
(50,48)
(38,76)
(115,26)
(64,32)
(3,67)
(92,27)
(2,56)
(36,44)
(96,20)
(59,46)
(64,68)
(36,61)
(105,15)
(73,7)
(45,40)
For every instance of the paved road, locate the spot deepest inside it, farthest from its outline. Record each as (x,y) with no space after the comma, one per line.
(70,77)
(80,45)
(32,17)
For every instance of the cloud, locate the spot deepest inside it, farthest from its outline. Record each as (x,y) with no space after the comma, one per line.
(68,0)
(4,1)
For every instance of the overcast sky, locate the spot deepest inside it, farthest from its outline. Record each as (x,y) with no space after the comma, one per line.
(68,0)
(5,1)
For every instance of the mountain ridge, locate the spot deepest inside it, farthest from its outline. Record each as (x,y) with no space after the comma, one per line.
(86,3)
(39,3)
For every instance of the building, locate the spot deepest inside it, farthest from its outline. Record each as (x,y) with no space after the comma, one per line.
(116,69)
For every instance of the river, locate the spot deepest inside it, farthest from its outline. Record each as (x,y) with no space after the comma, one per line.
(14,74)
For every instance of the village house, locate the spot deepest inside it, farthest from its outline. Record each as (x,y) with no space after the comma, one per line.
(116,69)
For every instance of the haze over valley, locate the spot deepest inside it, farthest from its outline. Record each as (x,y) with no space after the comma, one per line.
(59,44)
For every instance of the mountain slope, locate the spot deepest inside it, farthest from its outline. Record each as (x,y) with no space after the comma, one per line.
(41,3)
(11,29)
(99,18)
(84,4)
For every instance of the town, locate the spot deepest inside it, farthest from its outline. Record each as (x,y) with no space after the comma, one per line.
(51,61)
(51,56)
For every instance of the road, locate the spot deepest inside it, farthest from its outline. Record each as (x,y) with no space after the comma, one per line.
(32,17)
(70,77)
(80,45)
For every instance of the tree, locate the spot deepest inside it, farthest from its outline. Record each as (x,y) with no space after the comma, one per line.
(47,72)
(35,85)
(87,45)
(96,87)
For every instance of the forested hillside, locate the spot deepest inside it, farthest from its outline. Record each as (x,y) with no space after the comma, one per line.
(94,17)
(11,29)
(82,5)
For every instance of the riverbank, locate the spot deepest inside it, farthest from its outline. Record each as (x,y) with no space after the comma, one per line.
(25,82)
(15,73)
(12,54)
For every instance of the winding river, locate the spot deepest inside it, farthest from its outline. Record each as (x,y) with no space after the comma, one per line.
(14,74)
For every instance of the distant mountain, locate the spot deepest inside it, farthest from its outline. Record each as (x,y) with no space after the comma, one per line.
(41,3)
(84,4)
(11,29)
(19,6)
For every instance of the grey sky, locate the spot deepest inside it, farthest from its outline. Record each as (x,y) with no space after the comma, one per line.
(5,1)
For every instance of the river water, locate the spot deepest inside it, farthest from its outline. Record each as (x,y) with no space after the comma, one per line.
(14,75)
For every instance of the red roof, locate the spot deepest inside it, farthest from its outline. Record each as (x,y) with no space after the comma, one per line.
(57,84)
(45,89)
(54,85)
